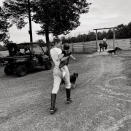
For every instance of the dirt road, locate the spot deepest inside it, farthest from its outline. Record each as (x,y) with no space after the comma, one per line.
(102,98)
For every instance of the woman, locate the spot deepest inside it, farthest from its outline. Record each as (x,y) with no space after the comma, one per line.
(58,57)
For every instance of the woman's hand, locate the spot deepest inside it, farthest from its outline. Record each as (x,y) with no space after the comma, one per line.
(61,56)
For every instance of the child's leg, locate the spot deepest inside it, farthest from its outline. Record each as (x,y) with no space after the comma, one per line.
(63,72)
(68,86)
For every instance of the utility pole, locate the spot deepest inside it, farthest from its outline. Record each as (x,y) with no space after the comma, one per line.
(114,37)
(30,24)
(96,40)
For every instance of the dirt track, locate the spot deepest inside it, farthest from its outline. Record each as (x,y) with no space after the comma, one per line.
(102,99)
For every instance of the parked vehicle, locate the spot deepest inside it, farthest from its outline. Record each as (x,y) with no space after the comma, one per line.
(2,62)
(26,58)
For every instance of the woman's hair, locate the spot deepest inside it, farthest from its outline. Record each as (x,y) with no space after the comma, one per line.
(56,40)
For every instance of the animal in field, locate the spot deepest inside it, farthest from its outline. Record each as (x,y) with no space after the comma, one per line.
(113,51)
(103,46)
(73,78)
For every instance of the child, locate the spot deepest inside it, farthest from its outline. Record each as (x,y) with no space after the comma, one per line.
(66,53)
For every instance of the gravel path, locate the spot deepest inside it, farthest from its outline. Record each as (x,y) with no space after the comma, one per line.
(102,98)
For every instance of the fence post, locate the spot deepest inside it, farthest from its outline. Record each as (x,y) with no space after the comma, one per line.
(72,48)
(96,40)
(83,48)
(130,42)
(114,37)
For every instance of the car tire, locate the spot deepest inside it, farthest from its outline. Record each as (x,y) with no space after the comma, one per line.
(8,70)
(48,65)
(21,70)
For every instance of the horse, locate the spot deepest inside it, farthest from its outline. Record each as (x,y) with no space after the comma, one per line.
(103,46)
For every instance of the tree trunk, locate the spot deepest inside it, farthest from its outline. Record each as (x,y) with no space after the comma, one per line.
(47,39)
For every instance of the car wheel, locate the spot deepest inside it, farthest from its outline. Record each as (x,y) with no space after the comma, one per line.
(48,65)
(21,70)
(8,70)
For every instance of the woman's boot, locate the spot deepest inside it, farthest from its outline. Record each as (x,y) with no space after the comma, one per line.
(68,100)
(53,109)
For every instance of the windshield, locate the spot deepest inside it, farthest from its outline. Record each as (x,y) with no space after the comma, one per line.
(37,49)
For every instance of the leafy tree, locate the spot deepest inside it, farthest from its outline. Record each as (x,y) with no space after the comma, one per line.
(17,11)
(129,30)
(58,16)
(99,35)
(121,31)
(109,34)
(104,34)
(54,16)
(4,25)
(92,36)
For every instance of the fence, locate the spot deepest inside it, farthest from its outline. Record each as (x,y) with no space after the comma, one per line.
(90,47)
(124,44)
(83,47)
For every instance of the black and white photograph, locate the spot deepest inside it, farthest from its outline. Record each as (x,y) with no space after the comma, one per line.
(65,65)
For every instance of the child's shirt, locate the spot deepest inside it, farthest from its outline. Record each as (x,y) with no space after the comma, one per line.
(66,53)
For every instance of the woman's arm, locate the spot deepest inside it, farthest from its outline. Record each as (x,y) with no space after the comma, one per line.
(62,58)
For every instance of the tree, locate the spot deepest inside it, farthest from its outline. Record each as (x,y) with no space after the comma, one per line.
(99,34)
(4,25)
(54,16)
(92,36)
(110,34)
(58,16)
(121,31)
(129,29)
(17,11)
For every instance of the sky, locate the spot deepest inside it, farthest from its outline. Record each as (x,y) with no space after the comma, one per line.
(102,13)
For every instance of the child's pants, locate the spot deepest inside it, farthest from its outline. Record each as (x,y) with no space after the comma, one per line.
(57,74)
